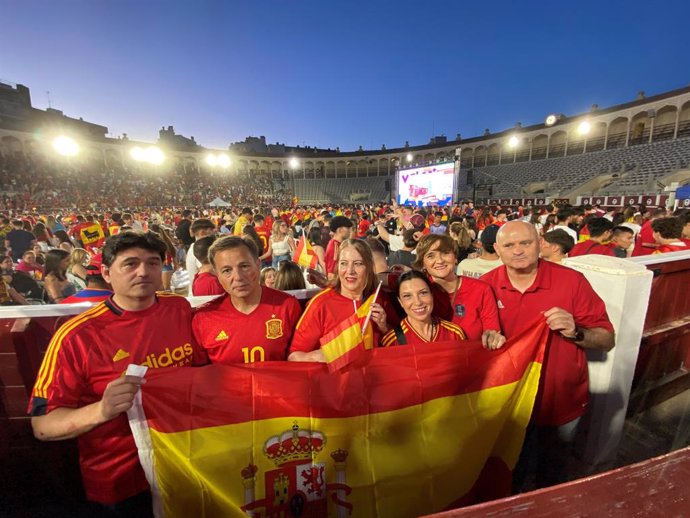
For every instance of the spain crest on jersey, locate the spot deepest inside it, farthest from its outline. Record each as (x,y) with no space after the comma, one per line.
(274,328)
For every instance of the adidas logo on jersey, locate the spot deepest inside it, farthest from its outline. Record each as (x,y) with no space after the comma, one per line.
(120,355)
(222,335)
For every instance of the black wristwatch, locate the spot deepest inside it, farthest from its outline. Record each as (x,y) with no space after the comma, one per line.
(578,336)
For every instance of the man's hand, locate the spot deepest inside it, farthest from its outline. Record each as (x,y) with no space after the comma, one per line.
(119,395)
(493,340)
(560,320)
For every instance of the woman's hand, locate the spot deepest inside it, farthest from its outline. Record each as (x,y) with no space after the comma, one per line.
(493,340)
(379,317)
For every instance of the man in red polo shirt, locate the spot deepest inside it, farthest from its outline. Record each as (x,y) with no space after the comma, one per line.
(525,288)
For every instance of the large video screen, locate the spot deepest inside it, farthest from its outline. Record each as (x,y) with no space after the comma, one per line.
(428,185)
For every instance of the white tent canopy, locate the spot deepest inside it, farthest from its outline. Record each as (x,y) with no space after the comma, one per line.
(219,202)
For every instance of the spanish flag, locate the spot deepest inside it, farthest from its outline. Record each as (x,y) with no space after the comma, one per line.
(416,430)
(305,255)
(344,343)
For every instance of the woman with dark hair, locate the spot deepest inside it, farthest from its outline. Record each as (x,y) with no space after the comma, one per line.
(289,276)
(56,283)
(249,232)
(420,326)
(170,264)
(314,238)
(355,282)
(468,303)
(484,219)
(43,235)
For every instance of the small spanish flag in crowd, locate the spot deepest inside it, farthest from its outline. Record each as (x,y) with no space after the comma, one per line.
(344,343)
(304,254)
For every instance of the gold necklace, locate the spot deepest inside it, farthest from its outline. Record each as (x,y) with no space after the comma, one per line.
(421,335)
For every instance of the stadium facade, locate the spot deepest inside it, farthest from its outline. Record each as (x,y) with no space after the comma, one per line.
(632,149)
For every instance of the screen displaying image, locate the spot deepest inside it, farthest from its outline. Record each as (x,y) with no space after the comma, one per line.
(428,185)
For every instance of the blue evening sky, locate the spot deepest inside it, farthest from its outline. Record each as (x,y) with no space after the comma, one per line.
(327,73)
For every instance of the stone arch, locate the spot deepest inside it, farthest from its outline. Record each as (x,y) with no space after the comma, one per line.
(557,144)
(617,133)
(480,156)
(493,154)
(684,120)
(540,144)
(596,137)
(665,123)
(640,126)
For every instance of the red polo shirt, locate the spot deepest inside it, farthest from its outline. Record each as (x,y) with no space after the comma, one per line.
(563,388)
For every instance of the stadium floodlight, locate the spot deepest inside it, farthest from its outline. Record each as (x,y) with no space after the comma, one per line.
(223,161)
(294,163)
(137,153)
(153,155)
(513,142)
(584,128)
(409,157)
(211,160)
(65,146)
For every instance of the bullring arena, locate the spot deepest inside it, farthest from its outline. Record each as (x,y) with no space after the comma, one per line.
(632,158)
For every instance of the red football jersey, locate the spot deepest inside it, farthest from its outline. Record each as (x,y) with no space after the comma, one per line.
(264,235)
(230,336)
(91,350)
(206,283)
(445,331)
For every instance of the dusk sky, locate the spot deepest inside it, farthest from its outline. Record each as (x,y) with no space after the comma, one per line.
(345,74)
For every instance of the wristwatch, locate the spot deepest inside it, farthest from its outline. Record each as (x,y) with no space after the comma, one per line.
(578,336)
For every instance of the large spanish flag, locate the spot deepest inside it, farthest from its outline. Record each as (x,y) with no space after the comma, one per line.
(411,431)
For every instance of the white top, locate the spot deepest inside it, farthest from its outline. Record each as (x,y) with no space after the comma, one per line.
(569,230)
(477,267)
(280,247)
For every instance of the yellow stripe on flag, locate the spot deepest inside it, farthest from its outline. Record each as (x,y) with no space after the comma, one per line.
(407,462)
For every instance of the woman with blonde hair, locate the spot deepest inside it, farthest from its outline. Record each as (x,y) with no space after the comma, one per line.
(462,239)
(355,282)
(282,245)
(289,276)
(76,269)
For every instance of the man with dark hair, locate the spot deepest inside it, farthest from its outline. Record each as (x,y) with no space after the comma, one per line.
(622,239)
(555,245)
(182,232)
(199,228)
(667,232)
(599,232)
(250,323)
(437,227)
(341,229)
(564,217)
(501,217)
(80,390)
(19,240)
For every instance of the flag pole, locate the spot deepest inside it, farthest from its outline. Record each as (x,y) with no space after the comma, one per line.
(366,322)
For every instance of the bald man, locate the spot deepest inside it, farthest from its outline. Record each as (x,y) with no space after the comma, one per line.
(526,287)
